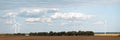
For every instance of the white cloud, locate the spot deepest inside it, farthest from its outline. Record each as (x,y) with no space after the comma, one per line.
(71,15)
(51,24)
(38,10)
(10,14)
(33,14)
(39,19)
(63,23)
(99,23)
(32,19)
(29,12)
(9,22)
(57,15)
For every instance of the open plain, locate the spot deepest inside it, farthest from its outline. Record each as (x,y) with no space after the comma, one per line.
(58,38)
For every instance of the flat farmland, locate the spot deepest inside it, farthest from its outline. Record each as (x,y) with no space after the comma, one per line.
(57,38)
(114,35)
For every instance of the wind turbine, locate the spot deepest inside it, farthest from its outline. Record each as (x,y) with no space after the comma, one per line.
(15,23)
(16,27)
(105,29)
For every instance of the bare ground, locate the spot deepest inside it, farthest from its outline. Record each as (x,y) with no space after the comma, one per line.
(57,38)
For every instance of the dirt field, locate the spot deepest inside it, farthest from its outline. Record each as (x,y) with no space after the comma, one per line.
(57,38)
(114,35)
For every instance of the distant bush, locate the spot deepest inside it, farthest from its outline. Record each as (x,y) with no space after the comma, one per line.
(70,33)
(19,34)
(51,33)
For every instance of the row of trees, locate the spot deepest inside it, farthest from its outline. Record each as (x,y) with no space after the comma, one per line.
(51,33)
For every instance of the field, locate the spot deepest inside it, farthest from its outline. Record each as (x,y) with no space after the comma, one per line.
(107,35)
(58,38)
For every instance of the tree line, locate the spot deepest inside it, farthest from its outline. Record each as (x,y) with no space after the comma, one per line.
(51,33)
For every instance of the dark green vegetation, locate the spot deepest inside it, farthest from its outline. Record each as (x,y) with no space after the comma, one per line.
(51,33)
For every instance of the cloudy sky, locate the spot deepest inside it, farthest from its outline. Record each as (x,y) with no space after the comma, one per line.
(59,15)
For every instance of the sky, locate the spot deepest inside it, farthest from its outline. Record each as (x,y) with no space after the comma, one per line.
(24,16)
